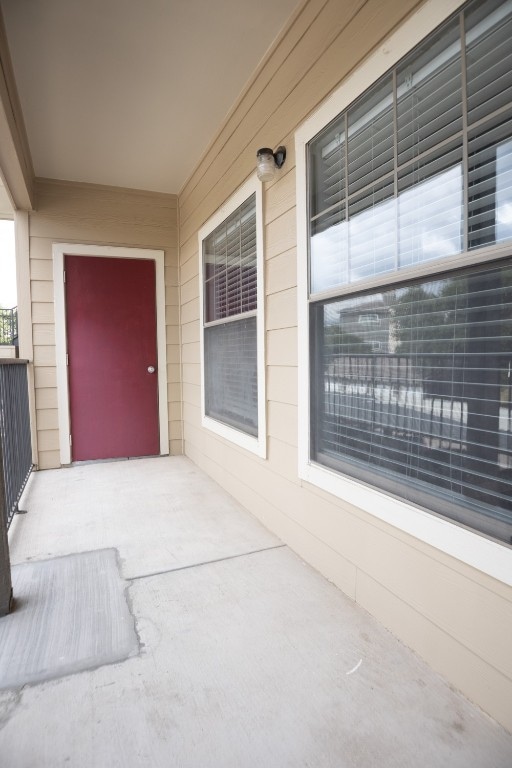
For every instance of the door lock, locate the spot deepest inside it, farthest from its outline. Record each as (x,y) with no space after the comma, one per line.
(151,369)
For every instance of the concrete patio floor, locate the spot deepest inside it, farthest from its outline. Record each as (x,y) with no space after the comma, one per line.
(244,655)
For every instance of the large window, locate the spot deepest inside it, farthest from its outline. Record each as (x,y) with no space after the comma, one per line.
(231,340)
(410,277)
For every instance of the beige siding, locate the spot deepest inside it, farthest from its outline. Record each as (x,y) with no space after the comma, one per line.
(88,214)
(459,619)
(6,211)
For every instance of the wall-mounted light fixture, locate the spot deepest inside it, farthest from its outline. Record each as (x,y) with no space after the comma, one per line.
(267,162)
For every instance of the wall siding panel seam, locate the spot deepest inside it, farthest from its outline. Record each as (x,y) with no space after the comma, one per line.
(361,574)
(269,500)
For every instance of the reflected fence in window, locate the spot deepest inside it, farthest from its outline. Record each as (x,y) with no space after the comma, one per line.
(413,392)
(377,392)
(378,422)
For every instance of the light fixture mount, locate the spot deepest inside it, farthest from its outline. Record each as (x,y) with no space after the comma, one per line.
(267,161)
(280,156)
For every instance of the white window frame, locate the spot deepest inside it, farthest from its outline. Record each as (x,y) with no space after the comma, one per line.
(471,548)
(257,445)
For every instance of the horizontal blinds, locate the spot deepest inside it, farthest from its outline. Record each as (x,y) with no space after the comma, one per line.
(429,95)
(229,258)
(489,58)
(489,181)
(231,378)
(370,138)
(404,139)
(327,166)
(413,393)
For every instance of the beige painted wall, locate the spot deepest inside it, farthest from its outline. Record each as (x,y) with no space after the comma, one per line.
(6,211)
(456,617)
(87,214)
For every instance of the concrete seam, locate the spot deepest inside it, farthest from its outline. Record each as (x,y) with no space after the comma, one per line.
(205,562)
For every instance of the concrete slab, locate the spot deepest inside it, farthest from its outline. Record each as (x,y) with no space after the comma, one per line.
(70,614)
(159,513)
(249,662)
(253,660)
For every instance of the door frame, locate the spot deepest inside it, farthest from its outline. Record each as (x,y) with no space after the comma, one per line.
(59,251)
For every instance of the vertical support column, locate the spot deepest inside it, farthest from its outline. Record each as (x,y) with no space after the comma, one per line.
(5,561)
(26,348)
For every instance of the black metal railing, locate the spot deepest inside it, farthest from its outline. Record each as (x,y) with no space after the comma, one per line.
(16,447)
(9,326)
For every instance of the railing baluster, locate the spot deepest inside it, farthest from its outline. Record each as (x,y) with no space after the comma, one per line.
(14,431)
(5,563)
(15,457)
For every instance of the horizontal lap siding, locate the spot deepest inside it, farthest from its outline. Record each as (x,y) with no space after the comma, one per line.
(457,618)
(96,215)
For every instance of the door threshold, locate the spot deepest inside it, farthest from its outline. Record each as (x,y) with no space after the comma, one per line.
(116,458)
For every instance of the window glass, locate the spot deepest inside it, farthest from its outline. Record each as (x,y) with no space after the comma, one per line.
(229,258)
(372,233)
(504,191)
(389,186)
(231,376)
(429,95)
(430,216)
(370,137)
(231,295)
(329,251)
(489,58)
(413,393)
(411,386)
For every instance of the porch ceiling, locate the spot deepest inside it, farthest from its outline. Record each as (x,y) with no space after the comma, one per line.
(131,93)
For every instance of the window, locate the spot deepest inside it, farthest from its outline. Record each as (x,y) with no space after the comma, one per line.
(369,319)
(410,277)
(232,336)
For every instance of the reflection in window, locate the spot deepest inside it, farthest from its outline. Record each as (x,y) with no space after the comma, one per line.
(504,191)
(399,153)
(329,256)
(430,218)
(411,387)
(424,395)
(231,295)
(372,240)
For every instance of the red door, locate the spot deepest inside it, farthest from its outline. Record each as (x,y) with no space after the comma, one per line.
(111,336)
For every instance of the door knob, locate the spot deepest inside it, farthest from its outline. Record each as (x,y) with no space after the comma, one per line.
(151,369)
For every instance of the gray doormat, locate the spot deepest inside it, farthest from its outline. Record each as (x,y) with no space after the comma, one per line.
(70,614)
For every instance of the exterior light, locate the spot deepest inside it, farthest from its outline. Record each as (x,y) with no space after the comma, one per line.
(267,162)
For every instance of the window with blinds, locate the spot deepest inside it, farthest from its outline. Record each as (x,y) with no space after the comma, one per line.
(230,291)
(417,401)
(230,275)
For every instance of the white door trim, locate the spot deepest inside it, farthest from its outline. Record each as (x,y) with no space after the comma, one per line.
(60,250)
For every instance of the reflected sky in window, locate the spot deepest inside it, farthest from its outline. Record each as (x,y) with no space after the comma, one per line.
(429,219)
(504,191)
